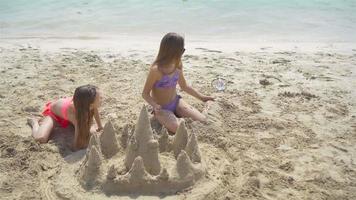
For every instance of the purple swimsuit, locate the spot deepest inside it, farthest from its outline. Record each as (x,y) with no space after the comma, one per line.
(169,82)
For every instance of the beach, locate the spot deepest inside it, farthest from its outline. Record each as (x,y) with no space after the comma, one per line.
(284,128)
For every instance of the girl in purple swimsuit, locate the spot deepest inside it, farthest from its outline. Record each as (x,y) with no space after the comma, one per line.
(160,87)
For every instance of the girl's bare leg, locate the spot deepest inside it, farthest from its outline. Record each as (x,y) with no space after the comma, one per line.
(41,132)
(168,119)
(185,110)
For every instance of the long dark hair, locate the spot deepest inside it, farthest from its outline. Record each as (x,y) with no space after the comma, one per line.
(170,50)
(83,97)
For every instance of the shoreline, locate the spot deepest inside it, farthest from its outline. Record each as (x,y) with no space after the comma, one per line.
(195,46)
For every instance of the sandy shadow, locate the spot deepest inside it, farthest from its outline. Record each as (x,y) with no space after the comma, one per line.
(62,138)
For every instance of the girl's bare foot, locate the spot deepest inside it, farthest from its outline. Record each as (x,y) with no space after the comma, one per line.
(32,122)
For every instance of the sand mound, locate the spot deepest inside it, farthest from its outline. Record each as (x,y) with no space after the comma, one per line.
(110,169)
(109,144)
(142,144)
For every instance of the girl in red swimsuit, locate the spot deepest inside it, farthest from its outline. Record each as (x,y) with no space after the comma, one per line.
(78,110)
(160,87)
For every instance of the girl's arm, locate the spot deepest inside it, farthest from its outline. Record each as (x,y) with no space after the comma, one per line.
(146,93)
(76,135)
(71,118)
(97,119)
(188,89)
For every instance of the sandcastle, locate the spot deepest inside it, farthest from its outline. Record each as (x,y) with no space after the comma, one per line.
(141,162)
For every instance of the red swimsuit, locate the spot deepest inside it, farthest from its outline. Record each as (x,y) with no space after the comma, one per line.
(64,110)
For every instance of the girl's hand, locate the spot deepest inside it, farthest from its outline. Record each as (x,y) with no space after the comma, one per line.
(99,129)
(157,108)
(207,98)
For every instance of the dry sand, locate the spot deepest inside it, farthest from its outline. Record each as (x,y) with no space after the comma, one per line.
(285,128)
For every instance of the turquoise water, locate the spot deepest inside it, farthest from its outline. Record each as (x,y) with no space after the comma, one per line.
(244,20)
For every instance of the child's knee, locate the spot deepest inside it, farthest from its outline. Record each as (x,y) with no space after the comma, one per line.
(203,118)
(172,127)
(41,139)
